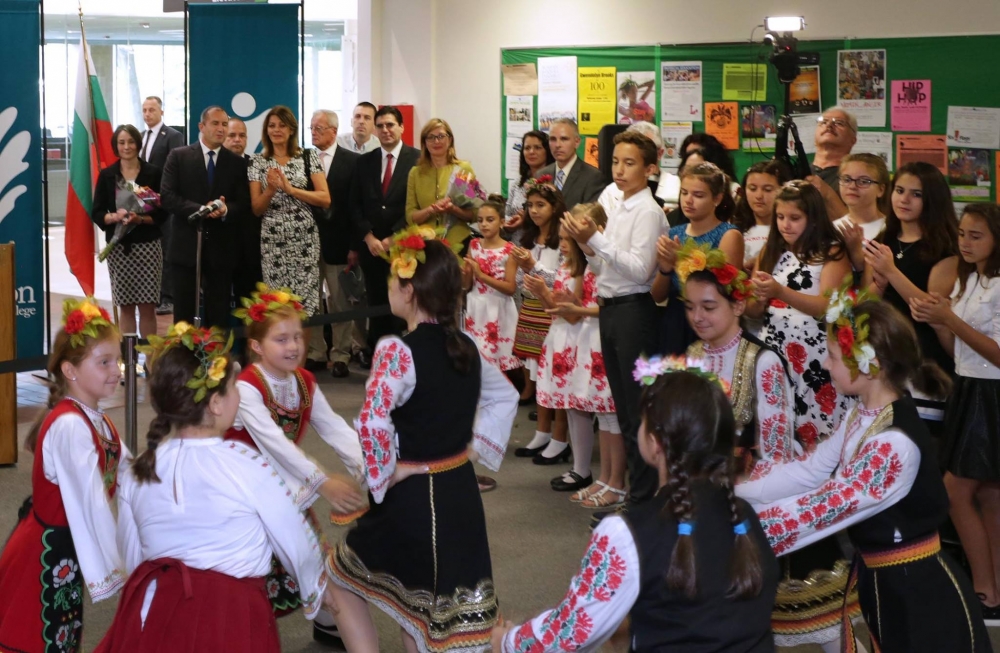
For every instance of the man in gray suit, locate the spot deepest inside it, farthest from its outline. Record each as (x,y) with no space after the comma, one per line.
(579,181)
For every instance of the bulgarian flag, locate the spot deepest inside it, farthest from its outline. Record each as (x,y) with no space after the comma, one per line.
(90,151)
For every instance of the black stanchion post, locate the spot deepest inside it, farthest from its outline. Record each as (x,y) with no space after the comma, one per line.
(131,397)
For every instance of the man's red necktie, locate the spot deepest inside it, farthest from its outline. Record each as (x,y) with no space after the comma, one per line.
(387,177)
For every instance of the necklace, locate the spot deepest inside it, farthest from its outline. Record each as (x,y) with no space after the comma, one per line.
(904,250)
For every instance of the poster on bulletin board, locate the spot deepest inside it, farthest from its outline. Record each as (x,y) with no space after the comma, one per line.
(722,121)
(636,97)
(596,104)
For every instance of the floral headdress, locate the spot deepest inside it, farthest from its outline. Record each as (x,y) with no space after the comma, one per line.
(265,300)
(408,248)
(850,331)
(545,181)
(209,345)
(81,319)
(647,370)
(693,257)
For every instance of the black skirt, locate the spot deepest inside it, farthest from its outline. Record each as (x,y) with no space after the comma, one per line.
(972,420)
(422,556)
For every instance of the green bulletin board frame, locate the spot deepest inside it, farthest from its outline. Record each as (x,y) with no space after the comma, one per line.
(962,70)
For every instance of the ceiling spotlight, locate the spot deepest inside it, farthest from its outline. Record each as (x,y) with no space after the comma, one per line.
(784,23)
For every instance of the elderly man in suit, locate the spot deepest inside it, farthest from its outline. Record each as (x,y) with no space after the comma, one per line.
(578,181)
(157,141)
(379,210)
(337,244)
(194,176)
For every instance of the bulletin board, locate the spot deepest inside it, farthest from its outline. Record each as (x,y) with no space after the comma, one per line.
(960,69)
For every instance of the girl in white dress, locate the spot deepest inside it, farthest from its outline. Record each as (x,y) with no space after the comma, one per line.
(200,518)
(490,310)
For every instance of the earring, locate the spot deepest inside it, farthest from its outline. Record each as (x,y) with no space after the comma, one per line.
(73,379)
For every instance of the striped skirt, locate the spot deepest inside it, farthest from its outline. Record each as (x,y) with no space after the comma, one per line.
(532,326)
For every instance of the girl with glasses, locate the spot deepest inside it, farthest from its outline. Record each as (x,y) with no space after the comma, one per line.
(864,182)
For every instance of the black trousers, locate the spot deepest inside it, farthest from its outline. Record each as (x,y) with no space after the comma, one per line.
(627,332)
(166,281)
(376,272)
(216,289)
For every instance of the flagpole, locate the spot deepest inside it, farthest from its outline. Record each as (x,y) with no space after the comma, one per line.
(90,88)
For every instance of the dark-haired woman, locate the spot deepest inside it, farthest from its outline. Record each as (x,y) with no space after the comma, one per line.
(200,518)
(691,568)
(535,155)
(136,263)
(421,553)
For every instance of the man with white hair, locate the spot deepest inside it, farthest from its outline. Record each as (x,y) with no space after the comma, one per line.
(836,134)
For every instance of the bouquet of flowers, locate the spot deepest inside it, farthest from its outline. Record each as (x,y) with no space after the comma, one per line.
(464,192)
(131,198)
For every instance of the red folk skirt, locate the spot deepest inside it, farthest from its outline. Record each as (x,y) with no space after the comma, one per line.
(193,610)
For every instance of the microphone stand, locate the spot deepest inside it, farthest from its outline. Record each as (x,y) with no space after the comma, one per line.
(199,228)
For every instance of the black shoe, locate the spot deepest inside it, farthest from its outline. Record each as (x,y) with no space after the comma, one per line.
(528,452)
(578,483)
(991,615)
(166,308)
(561,457)
(329,636)
(340,370)
(526,402)
(364,358)
(315,366)
(533,416)
(561,478)
(486,484)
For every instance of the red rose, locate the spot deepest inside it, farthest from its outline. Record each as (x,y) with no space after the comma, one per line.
(104,314)
(726,274)
(739,295)
(257,312)
(808,435)
(267,298)
(796,355)
(412,242)
(212,346)
(845,337)
(827,398)
(544,179)
(297,306)
(75,322)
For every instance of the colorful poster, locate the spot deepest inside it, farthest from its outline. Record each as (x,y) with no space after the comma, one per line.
(556,90)
(519,115)
(969,175)
(519,79)
(746,82)
(930,149)
(596,104)
(878,143)
(974,127)
(591,153)
(804,93)
(861,85)
(721,121)
(673,134)
(759,127)
(911,105)
(636,97)
(680,91)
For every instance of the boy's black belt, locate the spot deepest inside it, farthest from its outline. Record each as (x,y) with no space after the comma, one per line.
(622,299)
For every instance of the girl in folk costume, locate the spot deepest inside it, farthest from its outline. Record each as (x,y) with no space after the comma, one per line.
(690,568)
(878,479)
(715,295)
(278,401)
(421,553)
(200,518)
(66,532)
(969,328)
(590,393)
(490,310)
(538,256)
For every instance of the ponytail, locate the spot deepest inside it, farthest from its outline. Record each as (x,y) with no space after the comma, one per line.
(682,574)
(931,381)
(144,466)
(746,579)
(461,350)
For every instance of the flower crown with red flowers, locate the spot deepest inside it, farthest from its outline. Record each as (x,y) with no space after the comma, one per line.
(849,330)
(408,248)
(82,318)
(545,181)
(210,347)
(647,370)
(693,257)
(265,300)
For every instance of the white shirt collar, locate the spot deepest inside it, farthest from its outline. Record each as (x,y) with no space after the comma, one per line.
(332,149)
(155,129)
(205,149)
(394,152)
(631,202)
(569,166)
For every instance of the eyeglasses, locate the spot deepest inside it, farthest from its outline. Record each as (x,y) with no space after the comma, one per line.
(836,122)
(860,182)
(436,138)
(319,129)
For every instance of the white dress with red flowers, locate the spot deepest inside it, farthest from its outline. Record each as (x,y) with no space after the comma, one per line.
(845,480)
(490,315)
(801,339)
(558,359)
(591,392)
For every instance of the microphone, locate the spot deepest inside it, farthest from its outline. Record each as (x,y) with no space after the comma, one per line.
(214,205)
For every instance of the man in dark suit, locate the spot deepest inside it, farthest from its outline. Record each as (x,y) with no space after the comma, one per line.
(157,141)
(338,247)
(579,181)
(194,176)
(379,210)
(248,271)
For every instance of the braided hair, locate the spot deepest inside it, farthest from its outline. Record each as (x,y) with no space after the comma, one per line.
(692,420)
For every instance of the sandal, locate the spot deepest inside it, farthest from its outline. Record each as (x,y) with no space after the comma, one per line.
(587,492)
(486,484)
(608,497)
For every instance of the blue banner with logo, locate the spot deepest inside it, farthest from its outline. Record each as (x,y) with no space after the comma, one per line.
(244,58)
(21,166)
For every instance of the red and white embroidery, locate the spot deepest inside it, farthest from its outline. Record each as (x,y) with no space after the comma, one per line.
(874,470)
(392,363)
(772,381)
(775,436)
(780,527)
(829,505)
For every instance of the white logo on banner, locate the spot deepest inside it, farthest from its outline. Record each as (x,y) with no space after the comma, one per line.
(244,105)
(12,161)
